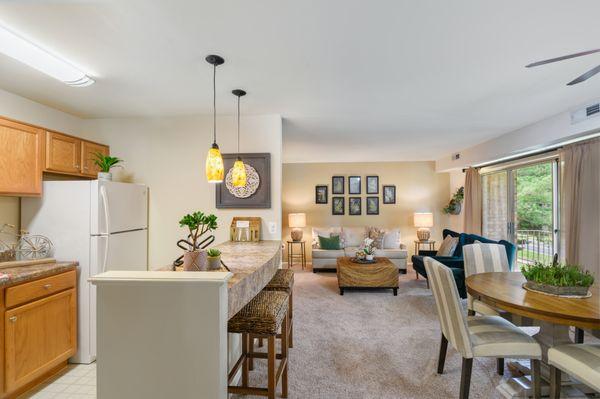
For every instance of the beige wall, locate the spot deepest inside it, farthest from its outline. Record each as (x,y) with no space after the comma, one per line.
(168,155)
(457,180)
(418,189)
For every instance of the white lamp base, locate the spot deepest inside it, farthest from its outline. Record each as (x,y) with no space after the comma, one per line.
(296,234)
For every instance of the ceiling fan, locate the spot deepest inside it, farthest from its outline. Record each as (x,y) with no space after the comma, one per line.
(579,79)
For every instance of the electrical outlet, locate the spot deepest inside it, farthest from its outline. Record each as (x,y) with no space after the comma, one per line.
(272,227)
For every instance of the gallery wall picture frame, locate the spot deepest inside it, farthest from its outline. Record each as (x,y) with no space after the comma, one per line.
(389,194)
(338,206)
(260,198)
(372,205)
(354,184)
(337,185)
(321,194)
(355,206)
(372,184)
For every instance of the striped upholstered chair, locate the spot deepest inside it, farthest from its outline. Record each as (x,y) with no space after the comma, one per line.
(476,336)
(581,361)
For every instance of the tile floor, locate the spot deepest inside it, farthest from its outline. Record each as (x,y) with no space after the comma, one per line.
(75,381)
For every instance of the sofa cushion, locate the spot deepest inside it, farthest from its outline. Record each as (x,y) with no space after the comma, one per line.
(327,253)
(392,253)
(354,236)
(332,242)
(376,234)
(391,239)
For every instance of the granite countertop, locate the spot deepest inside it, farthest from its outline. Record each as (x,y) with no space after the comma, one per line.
(22,274)
(253,265)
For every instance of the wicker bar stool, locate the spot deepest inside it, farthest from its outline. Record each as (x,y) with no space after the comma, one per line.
(262,317)
(282,281)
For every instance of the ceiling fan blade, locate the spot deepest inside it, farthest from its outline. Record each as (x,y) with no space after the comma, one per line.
(585,76)
(564,57)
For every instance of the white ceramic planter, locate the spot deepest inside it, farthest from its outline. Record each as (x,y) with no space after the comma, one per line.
(105,176)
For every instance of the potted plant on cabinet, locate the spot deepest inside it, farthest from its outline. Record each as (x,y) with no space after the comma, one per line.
(197,223)
(214,259)
(105,163)
(557,279)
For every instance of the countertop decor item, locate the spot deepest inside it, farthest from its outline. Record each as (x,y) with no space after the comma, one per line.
(423,221)
(214,161)
(238,172)
(27,246)
(198,224)
(214,259)
(455,205)
(245,229)
(297,221)
(557,279)
(106,163)
(256,194)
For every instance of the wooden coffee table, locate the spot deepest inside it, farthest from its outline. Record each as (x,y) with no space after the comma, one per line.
(382,274)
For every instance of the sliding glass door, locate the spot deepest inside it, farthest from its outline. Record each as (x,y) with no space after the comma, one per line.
(520,204)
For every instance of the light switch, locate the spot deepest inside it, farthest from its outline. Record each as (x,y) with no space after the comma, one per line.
(272,227)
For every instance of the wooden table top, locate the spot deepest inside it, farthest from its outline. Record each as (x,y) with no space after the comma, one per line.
(345,261)
(505,291)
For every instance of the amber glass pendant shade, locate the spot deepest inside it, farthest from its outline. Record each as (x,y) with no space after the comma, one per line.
(238,174)
(214,165)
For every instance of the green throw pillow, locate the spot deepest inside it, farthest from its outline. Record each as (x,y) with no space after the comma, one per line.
(332,242)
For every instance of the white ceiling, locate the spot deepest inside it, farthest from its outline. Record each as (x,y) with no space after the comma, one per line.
(353,79)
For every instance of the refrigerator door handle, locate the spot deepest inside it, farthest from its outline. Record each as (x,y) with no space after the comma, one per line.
(107,237)
(106,210)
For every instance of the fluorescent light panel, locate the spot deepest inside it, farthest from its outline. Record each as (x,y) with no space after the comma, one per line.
(30,54)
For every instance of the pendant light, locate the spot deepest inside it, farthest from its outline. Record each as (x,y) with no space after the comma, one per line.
(238,173)
(214,160)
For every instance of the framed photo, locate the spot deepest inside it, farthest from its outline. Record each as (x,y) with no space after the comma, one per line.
(354,184)
(372,184)
(257,192)
(389,194)
(337,206)
(320,194)
(354,206)
(372,205)
(337,185)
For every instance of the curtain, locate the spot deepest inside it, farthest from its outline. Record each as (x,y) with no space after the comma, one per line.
(581,205)
(472,203)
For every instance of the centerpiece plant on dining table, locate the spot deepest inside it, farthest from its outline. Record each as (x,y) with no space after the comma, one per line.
(558,279)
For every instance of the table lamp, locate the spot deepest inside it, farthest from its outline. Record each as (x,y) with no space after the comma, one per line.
(297,221)
(423,220)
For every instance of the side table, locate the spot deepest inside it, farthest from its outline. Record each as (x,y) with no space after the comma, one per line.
(418,244)
(291,255)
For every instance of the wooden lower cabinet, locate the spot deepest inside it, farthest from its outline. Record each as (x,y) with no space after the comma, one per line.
(39,336)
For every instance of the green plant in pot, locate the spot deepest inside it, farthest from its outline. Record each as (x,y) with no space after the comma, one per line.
(106,163)
(198,224)
(214,259)
(455,205)
(557,279)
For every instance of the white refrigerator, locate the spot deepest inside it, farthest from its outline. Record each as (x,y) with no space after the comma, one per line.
(101,224)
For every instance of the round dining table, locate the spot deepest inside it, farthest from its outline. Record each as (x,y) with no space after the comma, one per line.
(554,315)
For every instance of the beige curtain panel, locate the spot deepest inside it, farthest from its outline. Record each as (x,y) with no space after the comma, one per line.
(472,202)
(581,204)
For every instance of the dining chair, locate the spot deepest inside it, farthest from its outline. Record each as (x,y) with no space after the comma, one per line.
(476,336)
(581,361)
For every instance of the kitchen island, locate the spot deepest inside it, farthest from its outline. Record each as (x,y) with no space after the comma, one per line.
(164,333)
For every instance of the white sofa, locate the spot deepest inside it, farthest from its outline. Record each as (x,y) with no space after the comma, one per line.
(351,238)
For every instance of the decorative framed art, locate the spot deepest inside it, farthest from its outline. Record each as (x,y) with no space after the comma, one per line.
(372,184)
(389,194)
(337,185)
(256,194)
(372,205)
(354,184)
(321,194)
(337,205)
(354,206)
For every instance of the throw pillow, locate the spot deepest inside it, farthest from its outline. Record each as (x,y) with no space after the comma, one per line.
(448,246)
(391,239)
(332,242)
(376,234)
(320,231)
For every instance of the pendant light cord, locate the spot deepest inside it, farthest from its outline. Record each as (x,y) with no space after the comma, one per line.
(238,125)
(214,104)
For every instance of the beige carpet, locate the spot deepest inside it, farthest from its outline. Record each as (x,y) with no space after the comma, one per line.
(371,344)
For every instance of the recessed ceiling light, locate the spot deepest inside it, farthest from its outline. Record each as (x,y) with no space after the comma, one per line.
(28,53)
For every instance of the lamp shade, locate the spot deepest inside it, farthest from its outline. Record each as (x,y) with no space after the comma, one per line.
(214,165)
(238,174)
(297,219)
(423,219)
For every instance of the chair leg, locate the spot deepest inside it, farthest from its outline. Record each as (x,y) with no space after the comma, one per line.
(536,379)
(271,372)
(442,358)
(284,356)
(291,314)
(500,366)
(251,350)
(427,282)
(555,383)
(578,335)
(470,312)
(465,378)
(245,340)
(260,343)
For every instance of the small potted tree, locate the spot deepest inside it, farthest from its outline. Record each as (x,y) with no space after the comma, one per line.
(197,223)
(214,259)
(106,163)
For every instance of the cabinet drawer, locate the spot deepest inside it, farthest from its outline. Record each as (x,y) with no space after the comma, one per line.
(40,288)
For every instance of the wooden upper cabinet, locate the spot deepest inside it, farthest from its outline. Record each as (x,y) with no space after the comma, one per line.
(88,155)
(21,158)
(63,153)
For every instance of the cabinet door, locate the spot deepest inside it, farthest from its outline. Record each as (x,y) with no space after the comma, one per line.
(39,336)
(88,152)
(63,153)
(21,158)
